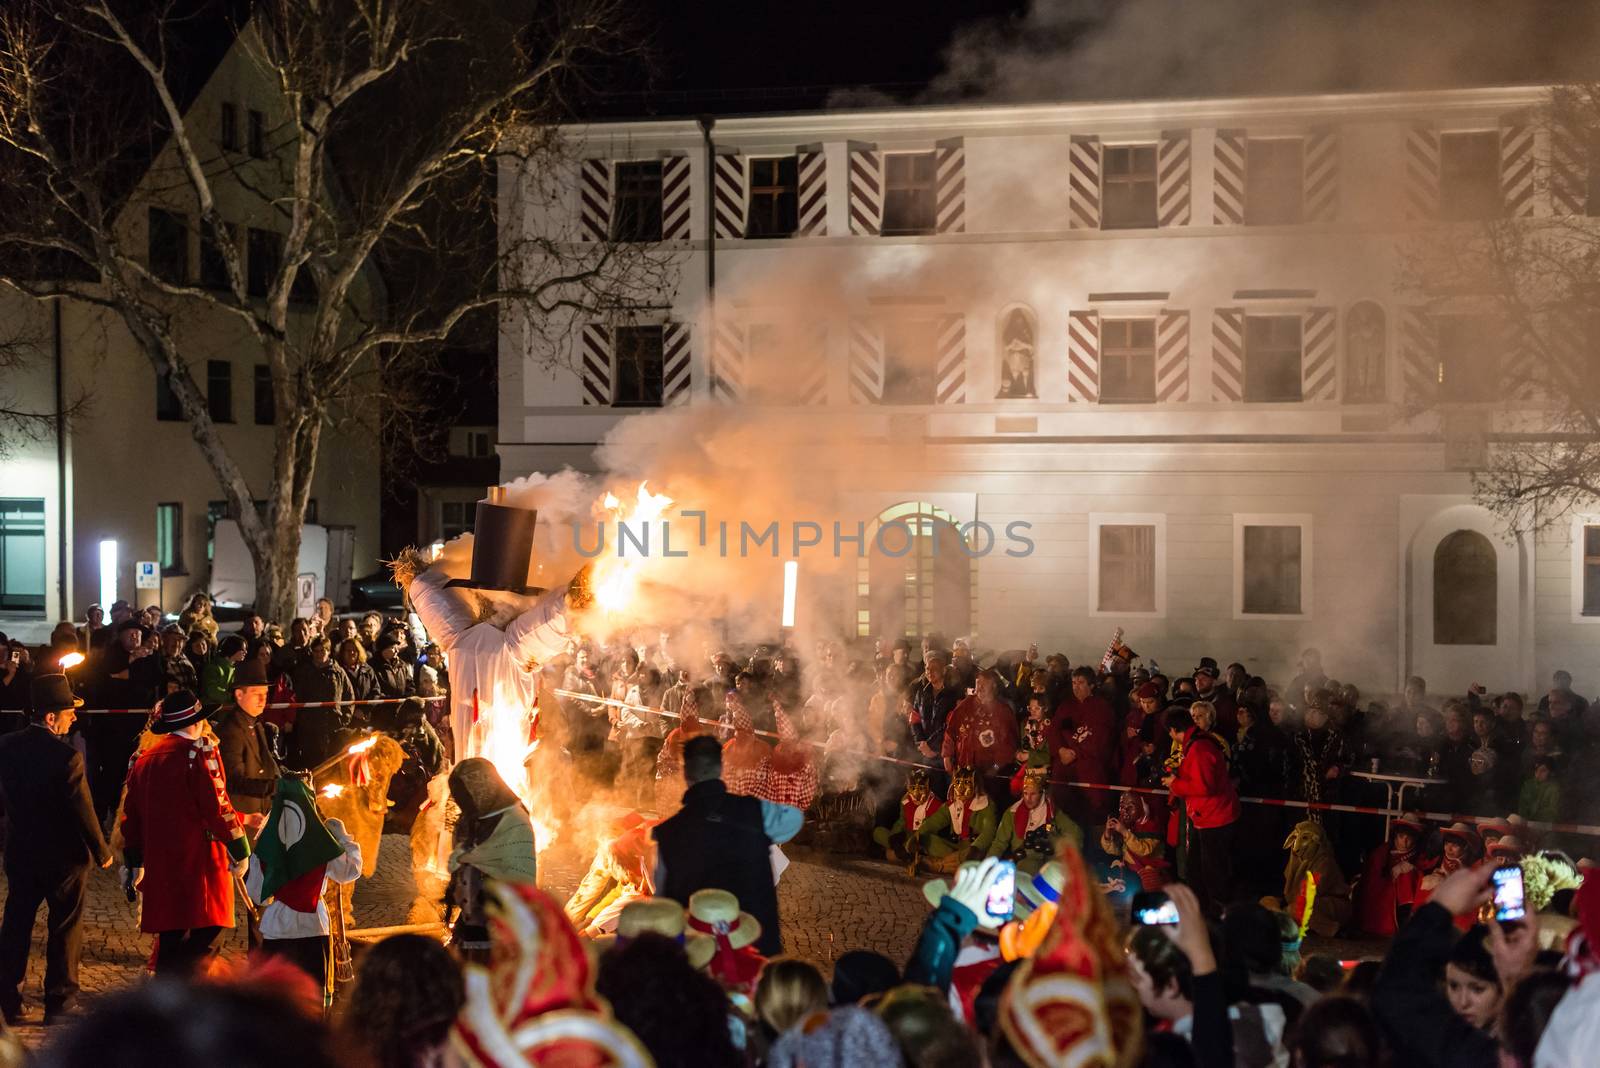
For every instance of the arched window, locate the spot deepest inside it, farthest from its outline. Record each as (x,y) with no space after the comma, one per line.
(917,575)
(1464,589)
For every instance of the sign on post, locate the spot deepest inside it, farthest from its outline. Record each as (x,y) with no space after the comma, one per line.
(305,595)
(147,575)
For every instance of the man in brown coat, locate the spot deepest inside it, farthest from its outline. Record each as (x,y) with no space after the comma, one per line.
(248,763)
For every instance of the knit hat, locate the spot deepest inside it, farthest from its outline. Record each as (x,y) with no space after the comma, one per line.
(1071,1003)
(176,711)
(535,1004)
(844,1038)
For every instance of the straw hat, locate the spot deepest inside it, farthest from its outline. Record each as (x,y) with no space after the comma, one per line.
(1043,887)
(714,912)
(662,916)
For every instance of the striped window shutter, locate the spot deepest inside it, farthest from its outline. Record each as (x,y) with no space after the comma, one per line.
(675,198)
(728,363)
(866,361)
(1083,189)
(950,186)
(1227,198)
(1519,366)
(1321,193)
(1419,357)
(675,363)
(597,365)
(1172,356)
(1083,356)
(594,200)
(866,189)
(1422,171)
(951,373)
(1227,354)
(1174,164)
(1569,170)
(732,194)
(812,191)
(1319,355)
(1516,164)
(813,386)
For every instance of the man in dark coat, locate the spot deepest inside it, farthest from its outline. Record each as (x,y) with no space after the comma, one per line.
(317,679)
(394,674)
(248,763)
(723,841)
(53,839)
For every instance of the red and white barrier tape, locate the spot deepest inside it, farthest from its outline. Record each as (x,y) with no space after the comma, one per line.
(281,704)
(1274,802)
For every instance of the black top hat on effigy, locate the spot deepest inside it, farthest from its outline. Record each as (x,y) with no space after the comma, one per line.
(502,547)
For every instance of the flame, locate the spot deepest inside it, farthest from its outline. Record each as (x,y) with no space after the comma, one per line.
(69,661)
(615,575)
(504,726)
(362,746)
(333,789)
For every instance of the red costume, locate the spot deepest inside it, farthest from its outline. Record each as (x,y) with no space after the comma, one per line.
(744,756)
(1202,784)
(1089,729)
(1392,882)
(178,824)
(789,772)
(980,735)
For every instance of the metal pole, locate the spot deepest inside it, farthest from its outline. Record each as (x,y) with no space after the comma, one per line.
(63,542)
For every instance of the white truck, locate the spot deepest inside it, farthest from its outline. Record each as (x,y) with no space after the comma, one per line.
(327,556)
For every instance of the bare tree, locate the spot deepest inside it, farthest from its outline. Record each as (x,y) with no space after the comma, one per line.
(395,115)
(1528,291)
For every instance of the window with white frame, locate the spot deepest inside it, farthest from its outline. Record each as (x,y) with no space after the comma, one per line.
(1586,569)
(1271,566)
(1127,564)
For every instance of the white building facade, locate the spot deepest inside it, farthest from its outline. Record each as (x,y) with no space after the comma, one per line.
(126,483)
(1172,337)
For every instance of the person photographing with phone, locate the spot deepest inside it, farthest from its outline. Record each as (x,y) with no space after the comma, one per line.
(1174,971)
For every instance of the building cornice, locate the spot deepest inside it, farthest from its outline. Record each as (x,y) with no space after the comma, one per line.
(1004,119)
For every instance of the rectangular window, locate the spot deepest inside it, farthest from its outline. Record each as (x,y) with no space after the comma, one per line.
(1127,569)
(909,205)
(478,444)
(1469,176)
(455,518)
(263,255)
(219,390)
(639,370)
(1128,187)
(169,538)
(168,246)
(228,134)
(638,215)
(215,512)
(1271,570)
(266,404)
(1274,181)
(168,410)
(1272,358)
(1587,563)
(258,134)
(1468,367)
(1127,361)
(774,197)
(908,359)
(213,269)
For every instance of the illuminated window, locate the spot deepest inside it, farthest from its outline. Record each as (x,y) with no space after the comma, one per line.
(774,209)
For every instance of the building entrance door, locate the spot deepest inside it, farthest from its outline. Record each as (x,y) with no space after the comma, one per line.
(22,554)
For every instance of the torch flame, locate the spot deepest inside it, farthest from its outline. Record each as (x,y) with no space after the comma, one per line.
(362,746)
(333,789)
(70,660)
(615,577)
(505,727)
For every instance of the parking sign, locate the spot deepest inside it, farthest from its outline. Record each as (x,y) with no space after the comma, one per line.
(147,575)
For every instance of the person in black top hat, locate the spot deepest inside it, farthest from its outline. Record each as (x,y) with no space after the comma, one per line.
(54,837)
(248,762)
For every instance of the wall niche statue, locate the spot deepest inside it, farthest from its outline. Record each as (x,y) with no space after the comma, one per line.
(1366,344)
(1017,348)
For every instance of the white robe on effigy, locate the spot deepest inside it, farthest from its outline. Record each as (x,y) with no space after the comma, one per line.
(499,664)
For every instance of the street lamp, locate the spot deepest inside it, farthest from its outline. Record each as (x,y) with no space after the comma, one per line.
(108,572)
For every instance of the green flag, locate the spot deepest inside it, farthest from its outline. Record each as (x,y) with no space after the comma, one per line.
(294,841)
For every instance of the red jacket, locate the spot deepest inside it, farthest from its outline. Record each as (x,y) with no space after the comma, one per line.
(979,735)
(178,824)
(1089,729)
(1202,781)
